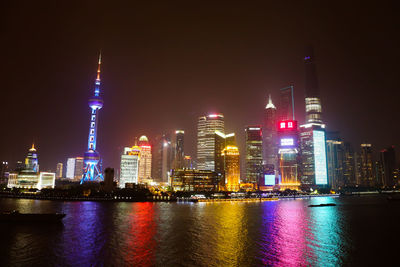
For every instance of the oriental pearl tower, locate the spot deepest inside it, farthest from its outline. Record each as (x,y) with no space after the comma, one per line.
(92,169)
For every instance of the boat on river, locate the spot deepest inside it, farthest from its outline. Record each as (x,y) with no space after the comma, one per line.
(16,216)
(322,205)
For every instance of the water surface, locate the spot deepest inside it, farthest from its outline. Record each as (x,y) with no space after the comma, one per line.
(358,231)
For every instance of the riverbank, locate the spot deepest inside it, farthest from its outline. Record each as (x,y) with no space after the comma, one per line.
(153,198)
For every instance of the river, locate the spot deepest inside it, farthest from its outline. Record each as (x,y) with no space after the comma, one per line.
(358,231)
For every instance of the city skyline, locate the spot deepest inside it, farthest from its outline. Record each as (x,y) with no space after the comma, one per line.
(129,74)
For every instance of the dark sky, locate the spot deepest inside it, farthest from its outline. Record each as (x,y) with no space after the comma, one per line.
(165,64)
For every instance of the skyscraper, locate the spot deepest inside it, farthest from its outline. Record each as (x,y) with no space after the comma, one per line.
(79,164)
(312,133)
(3,171)
(145,159)
(366,166)
(312,99)
(31,160)
(388,161)
(336,158)
(313,155)
(206,128)
(179,149)
(286,105)
(162,157)
(288,136)
(92,171)
(129,166)
(349,165)
(74,168)
(254,156)
(70,172)
(59,170)
(270,144)
(232,168)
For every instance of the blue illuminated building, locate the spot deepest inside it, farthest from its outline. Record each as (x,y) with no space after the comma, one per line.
(92,168)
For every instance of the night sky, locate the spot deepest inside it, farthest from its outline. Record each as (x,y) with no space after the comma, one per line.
(165,64)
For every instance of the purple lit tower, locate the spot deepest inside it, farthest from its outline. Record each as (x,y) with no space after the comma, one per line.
(92,169)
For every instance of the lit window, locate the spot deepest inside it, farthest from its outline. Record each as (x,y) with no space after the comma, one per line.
(282,125)
(290,124)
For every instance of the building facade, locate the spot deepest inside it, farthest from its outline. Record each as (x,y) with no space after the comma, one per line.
(194,180)
(254,154)
(232,168)
(59,170)
(162,158)
(288,152)
(312,99)
(388,163)
(314,165)
(336,159)
(145,159)
(129,166)
(31,160)
(366,171)
(206,128)
(269,133)
(179,154)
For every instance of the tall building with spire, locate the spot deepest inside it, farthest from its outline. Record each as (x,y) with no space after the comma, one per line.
(312,99)
(312,134)
(269,134)
(92,169)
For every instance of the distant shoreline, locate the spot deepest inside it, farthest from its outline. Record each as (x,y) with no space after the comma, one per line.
(132,199)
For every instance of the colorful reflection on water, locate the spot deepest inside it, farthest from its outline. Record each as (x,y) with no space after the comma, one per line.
(280,233)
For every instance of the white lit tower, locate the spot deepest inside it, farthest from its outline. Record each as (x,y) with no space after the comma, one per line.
(92,170)
(270,148)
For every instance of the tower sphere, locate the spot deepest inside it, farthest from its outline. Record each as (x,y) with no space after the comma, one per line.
(96,102)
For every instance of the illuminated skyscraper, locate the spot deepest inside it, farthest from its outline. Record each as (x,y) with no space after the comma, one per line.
(336,159)
(312,133)
(314,168)
(179,151)
(79,164)
(31,160)
(270,143)
(92,169)
(232,168)
(74,168)
(313,101)
(254,156)
(288,152)
(145,159)
(70,172)
(129,166)
(206,128)
(59,170)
